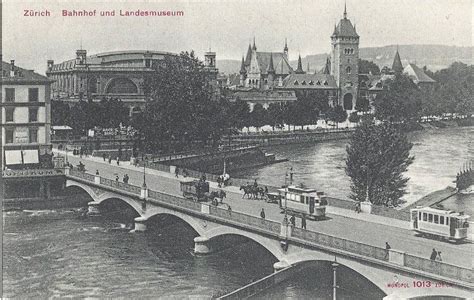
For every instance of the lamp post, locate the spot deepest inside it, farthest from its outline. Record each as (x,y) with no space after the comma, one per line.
(144,176)
(334,284)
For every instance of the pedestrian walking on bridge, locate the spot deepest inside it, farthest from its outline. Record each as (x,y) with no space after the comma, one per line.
(262,214)
(387,249)
(303,222)
(434,254)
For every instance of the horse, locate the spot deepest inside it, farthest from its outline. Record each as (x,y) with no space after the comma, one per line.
(247,191)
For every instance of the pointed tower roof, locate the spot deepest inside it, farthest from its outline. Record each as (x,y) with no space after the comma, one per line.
(242,67)
(397,66)
(345,28)
(248,56)
(286,46)
(254,47)
(345,10)
(299,70)
(270,68)
(327,67)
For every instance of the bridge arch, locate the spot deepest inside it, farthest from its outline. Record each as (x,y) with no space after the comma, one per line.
(270,245)
(131,202)
(378,277)
(198,225)
(91,192)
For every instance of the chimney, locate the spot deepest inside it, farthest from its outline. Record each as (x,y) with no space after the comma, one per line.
(12,68)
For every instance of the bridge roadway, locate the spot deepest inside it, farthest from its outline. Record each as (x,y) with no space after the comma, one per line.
(364,228)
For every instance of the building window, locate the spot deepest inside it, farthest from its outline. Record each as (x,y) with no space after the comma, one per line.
(9,95)
(33,94)
(33,135)
(9,113)
(348,70)
(33,114)
(9,135)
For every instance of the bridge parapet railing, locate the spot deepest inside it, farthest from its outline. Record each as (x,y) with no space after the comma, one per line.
(440,268)
(339,243)
(120,185)
(267,225)
(174,200)
(82,175)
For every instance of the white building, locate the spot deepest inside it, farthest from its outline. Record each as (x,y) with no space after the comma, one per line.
(26,118)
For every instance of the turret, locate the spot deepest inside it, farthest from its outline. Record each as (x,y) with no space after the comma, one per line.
(327,67)
(81,57)
(248,57)
(285,50)
(299,70)
(243,73)
(254,47)
(397,66)
(50,65)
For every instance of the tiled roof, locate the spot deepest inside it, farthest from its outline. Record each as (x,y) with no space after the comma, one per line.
(280,62)
(309,81)
(417,74)
(21,75)
(397,63)
(109,58)
(345,29)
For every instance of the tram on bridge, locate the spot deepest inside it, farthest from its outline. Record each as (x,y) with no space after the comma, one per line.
(440,223)
(303,201)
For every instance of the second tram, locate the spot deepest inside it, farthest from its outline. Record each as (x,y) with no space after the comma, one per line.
(439,223)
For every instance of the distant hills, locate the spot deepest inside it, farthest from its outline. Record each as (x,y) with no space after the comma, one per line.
(435,57)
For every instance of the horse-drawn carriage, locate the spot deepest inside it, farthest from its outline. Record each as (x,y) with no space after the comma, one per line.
(198,190)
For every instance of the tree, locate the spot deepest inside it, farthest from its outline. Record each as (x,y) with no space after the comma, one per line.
(59,112)
(336,114)
(354,117)
(400,101)
(366,67)
(377,157)
(181,108)
(258,116)
(275,115)
(362,104)
(239,114)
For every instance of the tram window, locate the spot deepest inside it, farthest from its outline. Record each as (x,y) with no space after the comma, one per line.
(302,199)
(419,215)
(424,217)
(441,220)
(436,219)
(447,221)
(430,218)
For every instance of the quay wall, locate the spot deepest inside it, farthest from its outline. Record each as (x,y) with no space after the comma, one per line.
(296,137)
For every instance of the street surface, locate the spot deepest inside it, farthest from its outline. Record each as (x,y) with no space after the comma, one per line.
(365,228)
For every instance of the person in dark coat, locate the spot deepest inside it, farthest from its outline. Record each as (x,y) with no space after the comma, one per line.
(434,254)
(262,214)
(293,220)
(303,222)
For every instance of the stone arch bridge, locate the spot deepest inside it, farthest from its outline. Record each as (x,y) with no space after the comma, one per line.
(389,270)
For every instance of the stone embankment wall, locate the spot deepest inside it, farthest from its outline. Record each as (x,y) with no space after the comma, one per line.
(214,162)
(295,137)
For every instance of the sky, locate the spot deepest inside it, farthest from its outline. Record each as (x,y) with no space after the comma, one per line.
(225,26)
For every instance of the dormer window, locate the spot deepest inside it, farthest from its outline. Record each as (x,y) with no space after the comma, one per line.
(304,82)
(325,82)
(379,84)
(296,82)
(318,83)
(311,82)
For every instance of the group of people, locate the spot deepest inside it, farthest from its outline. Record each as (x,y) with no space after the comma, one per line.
(292,220)
(125,179)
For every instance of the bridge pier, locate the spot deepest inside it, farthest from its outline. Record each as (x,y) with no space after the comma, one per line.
(140,225)
(202,245)
(280,265)
(93,209)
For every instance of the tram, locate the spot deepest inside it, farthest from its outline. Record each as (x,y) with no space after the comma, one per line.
(305,201)
(439,223)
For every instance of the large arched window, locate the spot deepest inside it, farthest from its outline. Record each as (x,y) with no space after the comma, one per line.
(122,86)
(92,85)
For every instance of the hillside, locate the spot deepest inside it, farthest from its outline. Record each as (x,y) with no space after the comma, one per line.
(435,57)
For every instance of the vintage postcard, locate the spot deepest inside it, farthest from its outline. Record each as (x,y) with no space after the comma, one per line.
(302,149)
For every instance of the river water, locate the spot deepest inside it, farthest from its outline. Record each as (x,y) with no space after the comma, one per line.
(439,155)
(57,254)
